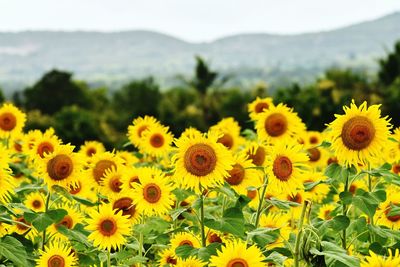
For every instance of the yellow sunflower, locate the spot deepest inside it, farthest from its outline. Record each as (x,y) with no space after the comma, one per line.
(12,120)
(236,253)
(90,148)
(4,228)
(82,188)
(29,140)
(22,227)
(278,123)
(57,254)
(256,152)
(190,262)
(258,106)
(167,258)
(280,221)
(285,168)
(325,211)
(152,196)
(319,192)
(191,133)
(243,175)
(124,202)
(184,238)
(156,141)
(111,184)
(201,161)
(130,176)
(393,150)
(100,162)
(314,138)
(69,221)
(383,216)
(374,260)
(7,183)
(136,130)
(128,159)
(44,144)
(359,135)
(16,141)
(35,201)
(108,228)
(61,167)
(228,131)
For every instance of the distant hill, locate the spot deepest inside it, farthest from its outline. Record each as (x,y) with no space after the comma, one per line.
(118,56)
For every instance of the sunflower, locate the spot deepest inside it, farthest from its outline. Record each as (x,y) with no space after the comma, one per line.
(374,260)
(228,131)
(4,229)
(16,141)
(123,201)
(57,255)
(278,123)
(35,201)
(7,183)
(258,106)
(314,138)
(383,216)
(256,152)
(61,167)
(286,167)
(190,262)
(393,149)
(12,120)
(90,148)
(278,220)
(318,192)
(44,144)
(111,184)
(167,258)
(359,135)
(184,238)
(156,141)
(152,196)
(325,211)
(100,162)
(128,159)
(201,161)
(191,133)
(243,175)
(108,228)
(82,188)
(136,130)
(29,140)
(22,227)
(213,236)
(317,157)
(69,221)
(236,253)
(130,176)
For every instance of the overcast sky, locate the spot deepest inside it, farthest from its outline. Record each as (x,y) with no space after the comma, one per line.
(191,20)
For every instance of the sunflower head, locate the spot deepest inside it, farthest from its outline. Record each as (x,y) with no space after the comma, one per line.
(156,141)
(139,125)
(259,105)
(12,120)
(57,255)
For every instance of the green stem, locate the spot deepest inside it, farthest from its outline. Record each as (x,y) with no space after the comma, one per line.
(344,210)
(108,258)
(203,234)
(296,255)
(371,218)
(260,203)
(46,209)
(141,242)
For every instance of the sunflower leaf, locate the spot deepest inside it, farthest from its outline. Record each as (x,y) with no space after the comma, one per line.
(13,250)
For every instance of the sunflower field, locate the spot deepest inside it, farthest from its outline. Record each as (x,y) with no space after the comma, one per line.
(275,195)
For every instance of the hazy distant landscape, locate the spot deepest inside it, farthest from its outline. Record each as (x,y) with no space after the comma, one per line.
(114,58)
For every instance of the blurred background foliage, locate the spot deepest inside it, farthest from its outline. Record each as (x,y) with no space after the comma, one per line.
(78,112)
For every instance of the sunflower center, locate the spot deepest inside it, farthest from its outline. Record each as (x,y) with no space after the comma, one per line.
(236,175)
(141,130)
(125,204)
(134,179)
(37,204)
(260,107)
(275,124)
(296,198)
(66,221)
(332,160)
(91,151)
(226,140)
(44,148)
(258,157)
(56,261)
(20,226)
(327,215)
(251,194)
(238,262)
(75,188)
(100,168)
(108,227)
(214,238)
(157,140)
(314,154)
(200,159)
(393,218)
(282,168)
(59,167)
(18,146)
(396,168)
(352,189)
(8,121)
(171,260)
(313,140)
(186,242)
(358,133)
(152,193)
(115,184)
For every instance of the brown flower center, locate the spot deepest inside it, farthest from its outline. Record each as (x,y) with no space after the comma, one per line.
(238,262)
(258,157)
(358,133)
(125,204)
(75,188)
(296,198)
(115,184)
(37,204)
(66,221)
(100,169)
(157,140)
(214,238)
(226,140)
(171,260)
(313,140)
(275,124)
(141,130)
(8,121)
(332,160)
(108,227)
(352,189)
(91,151)
(200,159)
(314,154)
(60,167)
(327,215)
(251,194)
(20,226)
(396,168)
(393,218)
(56,261)
(18,146)
(186,242)
(152,193)
(44,148)
(260,107)
(282,168)
(236,175)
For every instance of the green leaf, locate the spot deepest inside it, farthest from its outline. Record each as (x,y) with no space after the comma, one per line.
(365,202)
(276,258)
(84,201)
(333,252)
(185,251)
(206,253)
(346,197)
(232,222)
(339,222)
(73,234)
(13,250)
(333,171)
(62,191)
(42,220)
(325,144)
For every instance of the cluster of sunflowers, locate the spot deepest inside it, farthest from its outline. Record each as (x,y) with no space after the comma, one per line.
(276,196)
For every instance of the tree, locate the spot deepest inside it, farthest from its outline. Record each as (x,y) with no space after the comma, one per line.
(389,67)
(54,91)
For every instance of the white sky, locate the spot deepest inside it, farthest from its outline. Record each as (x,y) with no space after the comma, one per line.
(191,20)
